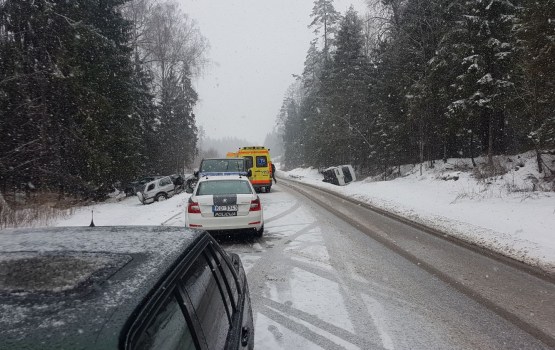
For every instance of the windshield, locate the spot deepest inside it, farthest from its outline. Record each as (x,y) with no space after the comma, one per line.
(223,187)
(222,165)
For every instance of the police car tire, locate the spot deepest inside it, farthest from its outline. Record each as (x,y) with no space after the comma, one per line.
(259,233)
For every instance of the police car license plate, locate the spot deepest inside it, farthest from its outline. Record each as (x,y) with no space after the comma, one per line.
(223,214)
(217,208)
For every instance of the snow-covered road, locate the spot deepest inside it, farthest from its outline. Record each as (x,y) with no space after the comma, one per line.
(318,283)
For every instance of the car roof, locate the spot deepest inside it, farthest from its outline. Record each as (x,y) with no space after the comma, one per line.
(224,158)
(157,179)
(223,177)
(76,287)
(150,177)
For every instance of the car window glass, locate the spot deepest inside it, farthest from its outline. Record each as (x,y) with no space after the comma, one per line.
(222,165)
(223,187)
(261,161)
(167,330)
(214,265)
(248,162)
(165,181)
(347,173)
(219,165)
(150,187)
(205,166)
(230,278)
(236,165)
(206,298)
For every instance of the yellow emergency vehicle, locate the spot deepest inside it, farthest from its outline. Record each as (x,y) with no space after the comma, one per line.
(258,160)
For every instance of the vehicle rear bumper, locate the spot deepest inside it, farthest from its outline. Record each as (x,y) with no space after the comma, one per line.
(143,198)
(252,221)
(261,183)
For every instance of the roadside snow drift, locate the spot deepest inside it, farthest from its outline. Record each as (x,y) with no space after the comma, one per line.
(512,214)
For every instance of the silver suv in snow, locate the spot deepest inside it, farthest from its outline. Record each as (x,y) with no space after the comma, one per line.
(157,190)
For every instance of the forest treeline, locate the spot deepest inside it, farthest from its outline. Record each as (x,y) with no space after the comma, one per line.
(419,80)
(95,92)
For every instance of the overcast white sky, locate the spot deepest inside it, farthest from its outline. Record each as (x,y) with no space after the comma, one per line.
(255,47)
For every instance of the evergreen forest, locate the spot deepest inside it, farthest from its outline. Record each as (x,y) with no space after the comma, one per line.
(94,93)
(414,81)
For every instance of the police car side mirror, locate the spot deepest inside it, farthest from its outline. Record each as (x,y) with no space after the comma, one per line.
(195,172)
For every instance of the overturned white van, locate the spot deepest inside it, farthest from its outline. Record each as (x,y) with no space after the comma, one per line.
(339,175)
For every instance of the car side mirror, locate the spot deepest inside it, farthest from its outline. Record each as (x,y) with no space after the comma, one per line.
(236,261)
(249,173)
(195,172)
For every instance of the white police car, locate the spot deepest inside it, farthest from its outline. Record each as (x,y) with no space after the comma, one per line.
(225,203)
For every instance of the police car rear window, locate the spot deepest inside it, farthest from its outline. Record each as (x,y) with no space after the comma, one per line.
(224,187)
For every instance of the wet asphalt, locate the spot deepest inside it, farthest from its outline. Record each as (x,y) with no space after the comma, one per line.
(330,274)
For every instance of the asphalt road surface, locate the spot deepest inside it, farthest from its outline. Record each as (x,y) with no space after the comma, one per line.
(354,279)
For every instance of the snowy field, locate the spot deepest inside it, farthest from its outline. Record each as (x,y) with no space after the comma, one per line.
(129,211)
(501,213)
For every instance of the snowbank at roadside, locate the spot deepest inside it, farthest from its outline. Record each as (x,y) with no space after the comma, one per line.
(501,213)
(129,211)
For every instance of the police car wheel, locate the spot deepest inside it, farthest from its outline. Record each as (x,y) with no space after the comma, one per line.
(259,233)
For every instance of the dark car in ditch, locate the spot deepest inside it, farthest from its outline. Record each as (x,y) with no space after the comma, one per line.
(218,167)
(222,166)
(121,288)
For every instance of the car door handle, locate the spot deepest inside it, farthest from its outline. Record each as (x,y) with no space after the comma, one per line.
(245,335)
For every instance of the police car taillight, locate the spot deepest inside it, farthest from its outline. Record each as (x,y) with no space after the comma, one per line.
(255,205)
(193,208)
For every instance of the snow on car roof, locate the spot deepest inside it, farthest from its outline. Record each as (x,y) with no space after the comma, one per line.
(54,273)
(223,177)
(80,281)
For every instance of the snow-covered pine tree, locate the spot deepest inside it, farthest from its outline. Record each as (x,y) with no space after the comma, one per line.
(67,94)
(294,133)
(174,49)
(176,134)
(346,92)
(421,26)
(312,67)
(536,47)
(486,84)
(456,122)
(324,20)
